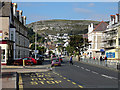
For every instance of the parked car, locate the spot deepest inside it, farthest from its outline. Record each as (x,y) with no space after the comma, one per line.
(28,61)
(56,62)
(39,58)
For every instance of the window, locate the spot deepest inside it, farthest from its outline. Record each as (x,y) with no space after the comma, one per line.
(3,55)
(12,36)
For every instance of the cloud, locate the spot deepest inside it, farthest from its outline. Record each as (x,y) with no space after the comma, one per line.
(91,5)
(82,10)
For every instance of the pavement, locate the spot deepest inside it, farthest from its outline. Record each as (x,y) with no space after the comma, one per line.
(111,64)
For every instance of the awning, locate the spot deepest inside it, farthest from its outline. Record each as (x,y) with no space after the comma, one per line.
(102,50)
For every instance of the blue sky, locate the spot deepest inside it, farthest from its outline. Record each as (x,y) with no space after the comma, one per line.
(36,11)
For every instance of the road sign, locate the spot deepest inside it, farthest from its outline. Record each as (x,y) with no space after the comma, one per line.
(36,51)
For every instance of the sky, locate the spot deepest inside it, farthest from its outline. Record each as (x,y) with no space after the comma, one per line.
(36,11)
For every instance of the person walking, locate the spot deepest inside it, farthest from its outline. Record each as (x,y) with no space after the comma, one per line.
(71,60)
(105,61)
(101,59)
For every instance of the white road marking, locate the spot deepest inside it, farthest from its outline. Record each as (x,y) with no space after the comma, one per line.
(110,77)
(95,72)
(87,69)
(82,67)
(77,66)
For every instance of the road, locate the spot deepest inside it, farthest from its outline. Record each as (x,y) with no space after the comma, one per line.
(78,75)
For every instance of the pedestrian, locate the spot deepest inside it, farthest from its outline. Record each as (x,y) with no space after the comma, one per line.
(105,61)
(94,58)
(101,59)
(71,60)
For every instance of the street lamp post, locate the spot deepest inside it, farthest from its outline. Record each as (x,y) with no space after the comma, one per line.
(35,43)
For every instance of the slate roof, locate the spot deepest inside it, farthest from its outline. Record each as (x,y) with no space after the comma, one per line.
(101,27)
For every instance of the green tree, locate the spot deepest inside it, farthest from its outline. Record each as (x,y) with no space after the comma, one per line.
(76,41)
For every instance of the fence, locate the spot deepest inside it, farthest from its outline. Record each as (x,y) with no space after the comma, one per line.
(108,63)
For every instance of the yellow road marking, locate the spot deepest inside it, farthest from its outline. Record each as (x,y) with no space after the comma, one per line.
(64,78)
(49,78)
(68,80)
(44,78)
(34,83)
(80,86)
(42,82)
(58,82)
(50,82)
(20,82)
(73,83)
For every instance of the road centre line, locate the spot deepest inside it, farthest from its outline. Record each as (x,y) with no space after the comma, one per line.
(82,67)
(110,77)
(95,72)
(87,69)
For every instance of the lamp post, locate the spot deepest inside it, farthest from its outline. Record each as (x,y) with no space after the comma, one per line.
(35,43)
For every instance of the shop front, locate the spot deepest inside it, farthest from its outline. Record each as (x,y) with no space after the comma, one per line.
(6,52)
(112,54)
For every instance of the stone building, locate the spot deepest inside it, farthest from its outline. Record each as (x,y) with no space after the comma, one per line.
(13,33)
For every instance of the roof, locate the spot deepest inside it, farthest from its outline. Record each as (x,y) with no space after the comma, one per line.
(101,27)
(5,8)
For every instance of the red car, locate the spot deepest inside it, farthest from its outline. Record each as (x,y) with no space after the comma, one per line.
(28,61)
(56,62)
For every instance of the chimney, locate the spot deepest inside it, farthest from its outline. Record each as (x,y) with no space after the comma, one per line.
(20,16)
(91,27)
(24,20)
(116,18)
(14,9)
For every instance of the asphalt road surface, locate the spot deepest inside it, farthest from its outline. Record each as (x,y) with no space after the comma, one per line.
(78,75)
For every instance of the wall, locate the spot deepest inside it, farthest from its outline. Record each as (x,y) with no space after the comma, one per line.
(4,26)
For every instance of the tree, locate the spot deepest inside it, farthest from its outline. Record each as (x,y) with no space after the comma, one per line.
(76,41)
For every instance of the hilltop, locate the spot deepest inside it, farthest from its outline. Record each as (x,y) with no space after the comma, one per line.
(61,26)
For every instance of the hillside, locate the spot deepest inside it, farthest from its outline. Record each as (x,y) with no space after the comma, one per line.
(61,26)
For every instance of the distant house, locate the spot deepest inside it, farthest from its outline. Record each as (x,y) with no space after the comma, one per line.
(94,39)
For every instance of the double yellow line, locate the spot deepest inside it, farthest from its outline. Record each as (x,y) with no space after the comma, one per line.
(20,82)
